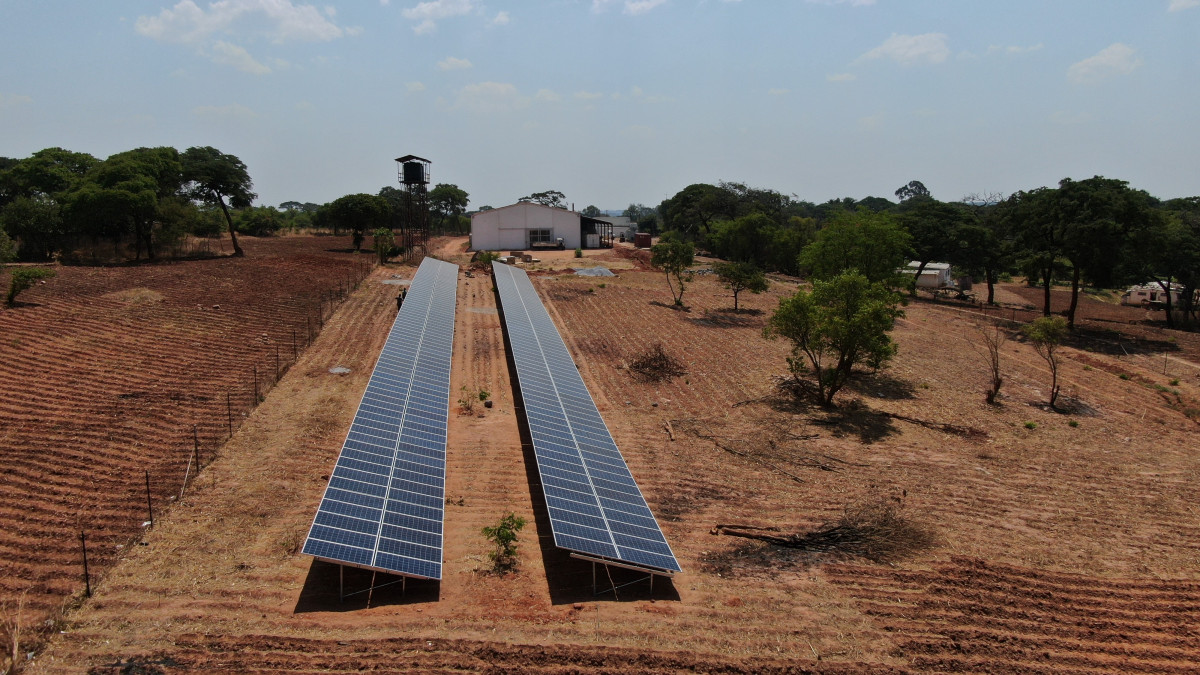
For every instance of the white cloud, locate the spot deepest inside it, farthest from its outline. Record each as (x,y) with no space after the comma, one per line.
(1115,59)
(841,77)
(911,50)
(451,63)
(14,100)
(490,97)
(427,14)
(415,86)
(501,19)
(1180,5)
(232,55)
(281,20)
(233,110)
(631,7)
(547,95)
(872,122)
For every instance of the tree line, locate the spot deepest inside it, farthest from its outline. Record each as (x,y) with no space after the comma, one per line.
(145,203)
(1097,232)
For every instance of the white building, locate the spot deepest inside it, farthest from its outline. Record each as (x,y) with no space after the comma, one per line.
(522,225)
(935,274)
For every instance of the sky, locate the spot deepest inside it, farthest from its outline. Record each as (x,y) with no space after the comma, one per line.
(614,102)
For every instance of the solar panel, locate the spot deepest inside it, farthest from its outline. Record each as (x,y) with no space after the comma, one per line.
(383,506)
(595,506)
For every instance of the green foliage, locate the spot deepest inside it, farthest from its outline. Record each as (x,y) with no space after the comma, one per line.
(578,252)
(874,244)
(8,249)
(1046,334)
(591,211)
(843,322)
(446,203)
(1073,424)
(1031,425)
(741,276)
(504,537)
(759,239)
(358,213)
(486,258)
(548,198)
(37,223)
(674,256)
(214,178)
(385,242)
(484,394)
(23,278)
(258,221)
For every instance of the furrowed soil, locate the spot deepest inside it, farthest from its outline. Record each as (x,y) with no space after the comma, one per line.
(1060,541)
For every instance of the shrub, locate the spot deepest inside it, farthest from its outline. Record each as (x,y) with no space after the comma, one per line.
(578,252)
(655,365)
(1031,425)
(24,278)
(504,537)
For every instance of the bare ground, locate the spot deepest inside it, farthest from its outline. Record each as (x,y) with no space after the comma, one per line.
(1059,548)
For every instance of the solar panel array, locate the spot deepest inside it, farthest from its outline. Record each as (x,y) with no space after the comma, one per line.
(383,507)
(594,504)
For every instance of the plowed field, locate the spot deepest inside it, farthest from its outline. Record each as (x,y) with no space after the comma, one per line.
(1062,542)
(109,373)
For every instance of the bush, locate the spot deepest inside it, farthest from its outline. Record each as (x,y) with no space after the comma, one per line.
(22,279)
(578,252)
(655,365)
(504,537)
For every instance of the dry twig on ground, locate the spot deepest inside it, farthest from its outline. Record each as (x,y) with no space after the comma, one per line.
(655,365)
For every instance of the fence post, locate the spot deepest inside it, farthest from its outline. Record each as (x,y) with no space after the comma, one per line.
(87,578)
(196,445)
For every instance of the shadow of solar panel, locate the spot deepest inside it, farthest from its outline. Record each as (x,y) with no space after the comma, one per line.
(595,506)
(383,507)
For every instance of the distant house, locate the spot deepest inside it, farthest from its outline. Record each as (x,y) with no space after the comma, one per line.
(935,274)
(526,225)
(622,225)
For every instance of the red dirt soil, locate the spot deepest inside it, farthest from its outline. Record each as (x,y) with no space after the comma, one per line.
(1063,542)
(105,372)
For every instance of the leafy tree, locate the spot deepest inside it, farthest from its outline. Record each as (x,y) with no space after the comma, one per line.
(47,173)
(843,322)
(358,213)
(548,198)
(1046,334)
(591,211)
(504,537)
(981,247)
(447,202)
(129,186)
(1168,252)
(741,276)
(23,278)
(875,204)
(694,209)
(214,177)
(673,256)
(37,223)
(932,225)
(258,221)
(385,241)
(1037,235)
(991,340)
(872,243)
(913,190)
(8,249)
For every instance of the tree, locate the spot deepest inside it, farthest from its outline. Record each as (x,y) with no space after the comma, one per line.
(214,177)
(932,225)
(591,211)
(913,190)
(385,241)
(843,322)
(23,278)
(694,209)
(741,276)
(504,537)
(358,213)
(36,223)
(130,186)
(673,256)
(992,338)
(447,202)
(981,247)
(1037,235)
(548,198)
(1169,253)
(8,249)
(1046,334)
(872,243)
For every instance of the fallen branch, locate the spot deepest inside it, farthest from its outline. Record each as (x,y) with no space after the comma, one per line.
(670,431)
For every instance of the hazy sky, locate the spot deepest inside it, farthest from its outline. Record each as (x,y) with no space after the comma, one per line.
(620,101)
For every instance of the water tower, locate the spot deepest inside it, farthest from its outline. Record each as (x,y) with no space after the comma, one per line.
(413,173)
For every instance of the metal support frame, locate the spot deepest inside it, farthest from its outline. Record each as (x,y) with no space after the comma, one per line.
(342,594)
(650,573)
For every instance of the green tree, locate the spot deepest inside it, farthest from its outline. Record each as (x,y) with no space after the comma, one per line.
(8,249)
(447,202)
(932,226)
(126,189)
(1047,334)
(504,537)
(258,221)
(741,276)
(358,213)
(47,173)
(843,322)
(913,190)
(872,243)
(1037,235)
(673,256)
(696,208)
(214,177)
(591,211)
(36,223)
(1168,252)
(385,241)
(548,198)
(23,278)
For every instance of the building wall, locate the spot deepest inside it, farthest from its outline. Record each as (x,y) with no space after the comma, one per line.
(505,228)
